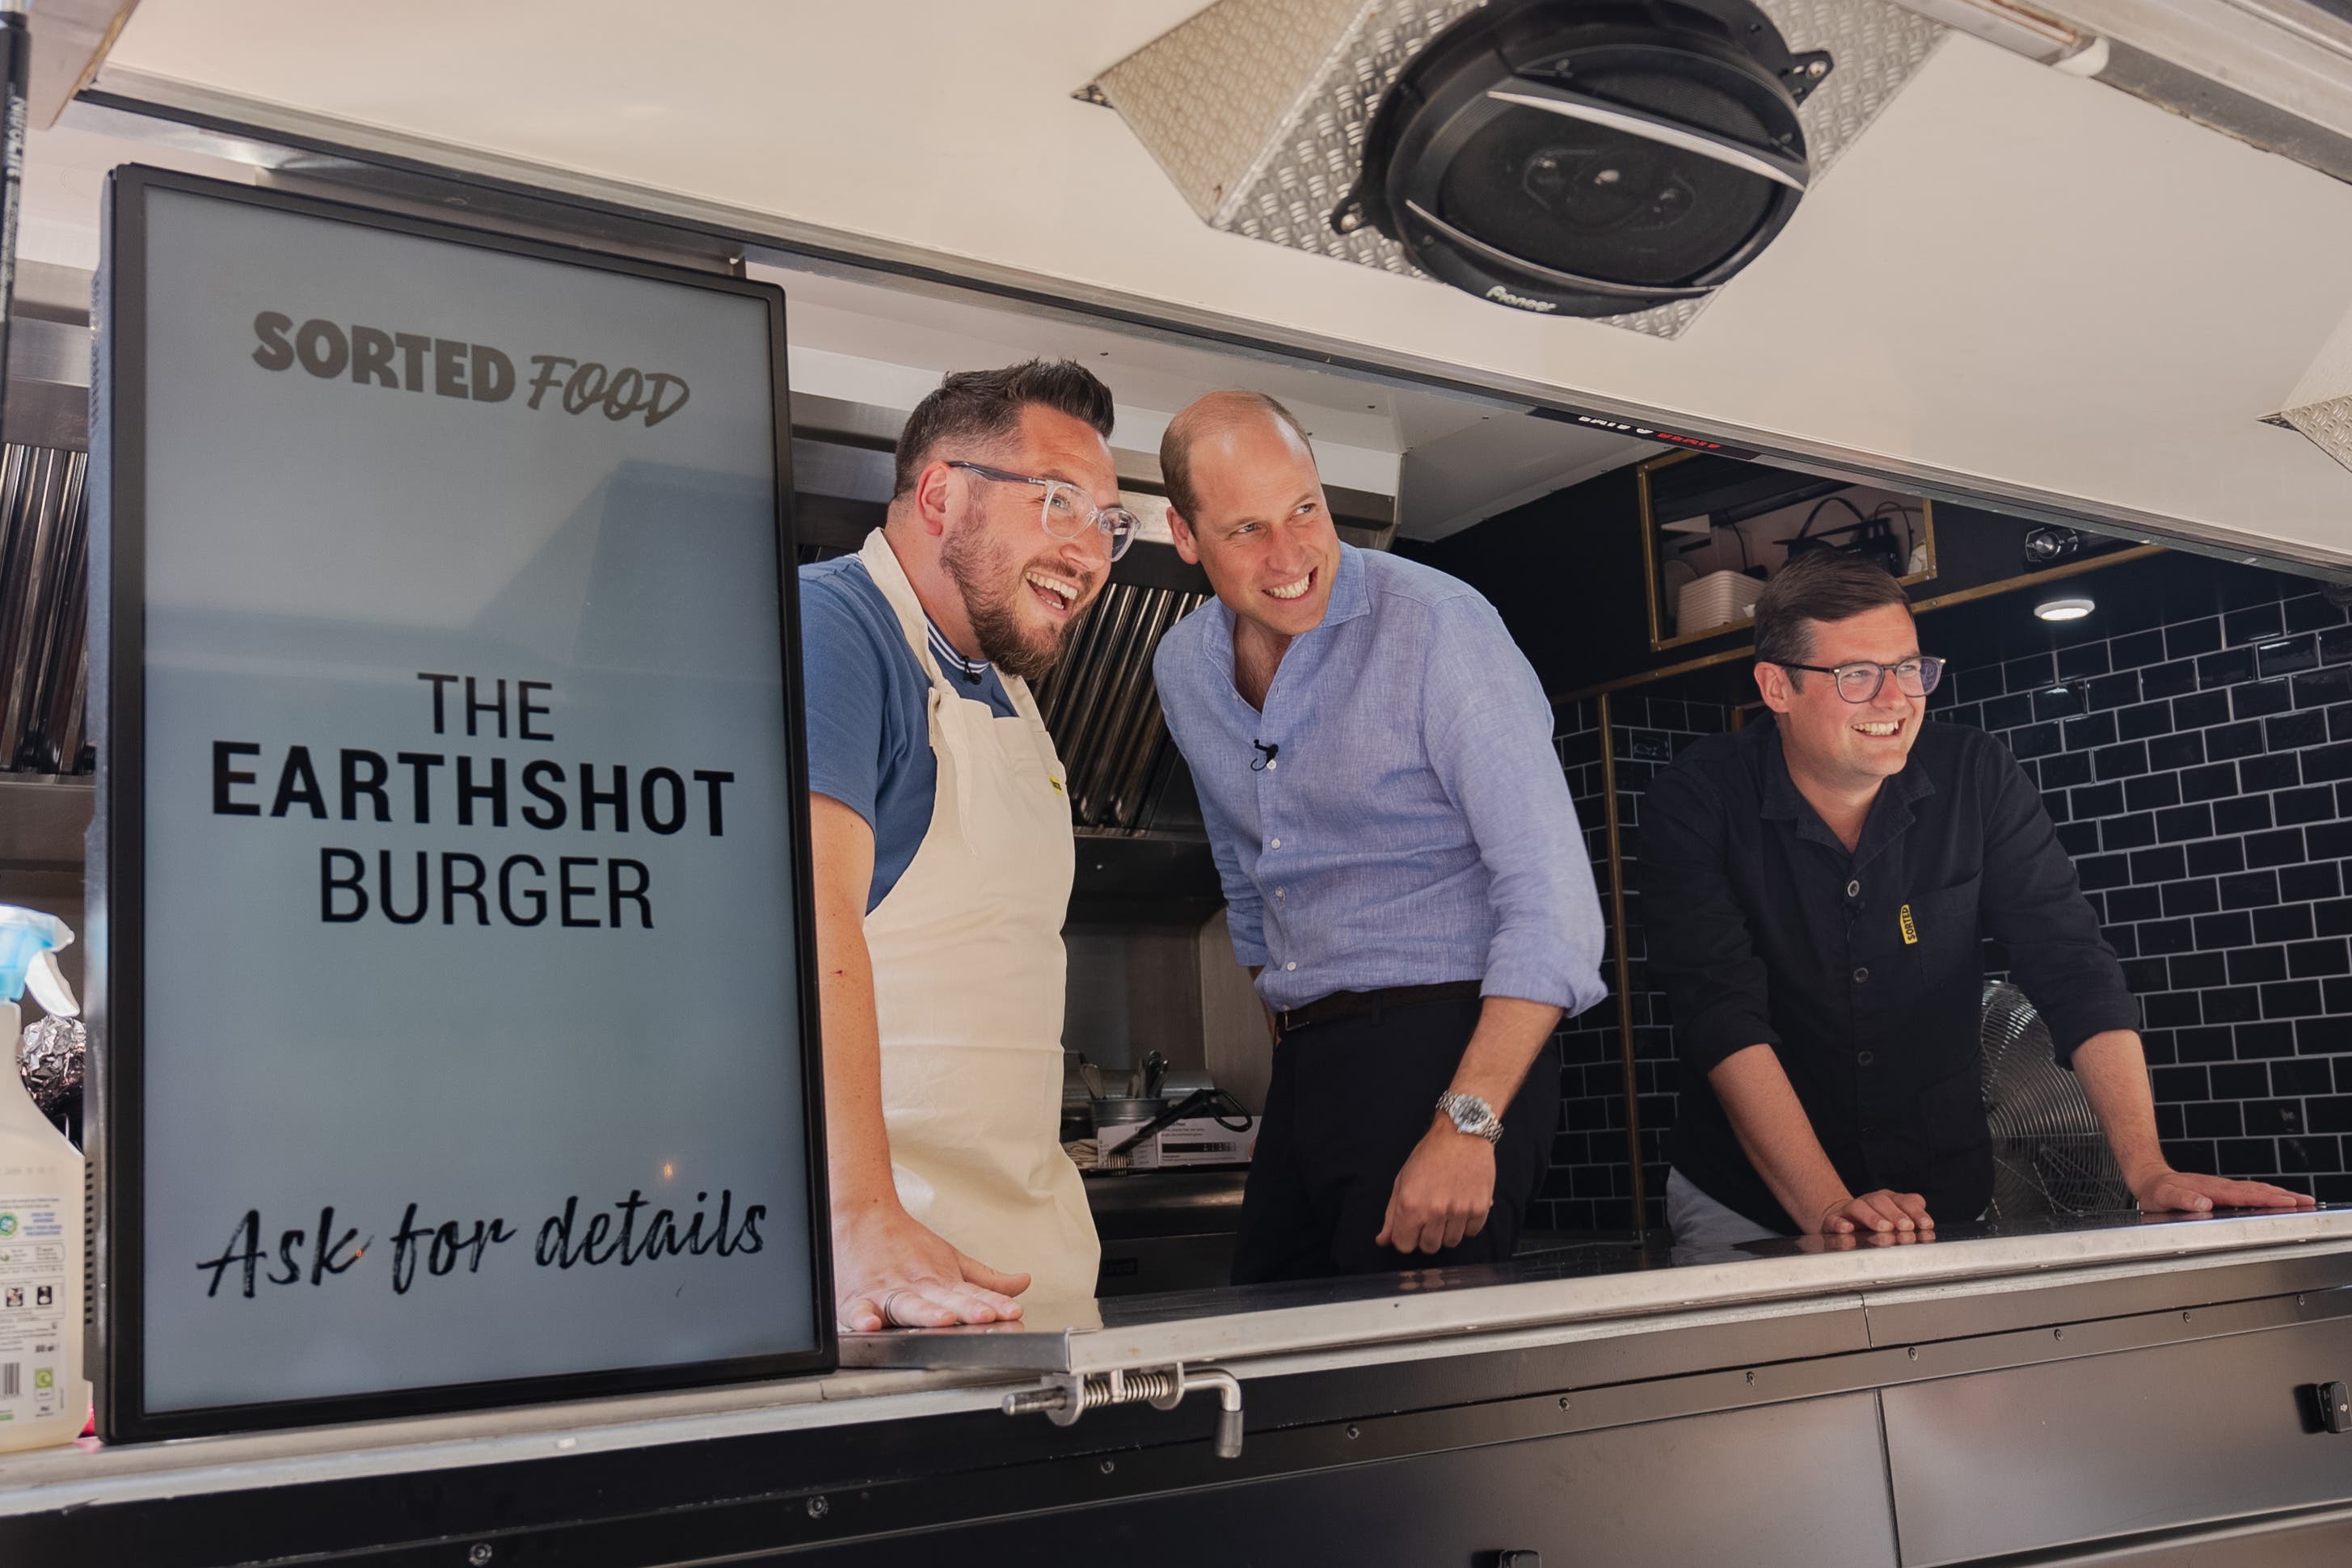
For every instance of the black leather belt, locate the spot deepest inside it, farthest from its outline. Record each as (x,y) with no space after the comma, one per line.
(1371,1004)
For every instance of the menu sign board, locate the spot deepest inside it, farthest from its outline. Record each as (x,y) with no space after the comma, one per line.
(453,983)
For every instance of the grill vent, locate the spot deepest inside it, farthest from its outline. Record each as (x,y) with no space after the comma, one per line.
(44,609)
(1103,710)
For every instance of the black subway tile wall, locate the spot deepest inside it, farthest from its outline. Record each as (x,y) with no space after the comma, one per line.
(1589,1186)
(2201,774)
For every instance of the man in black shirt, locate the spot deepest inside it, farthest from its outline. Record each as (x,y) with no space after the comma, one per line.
(1816,885)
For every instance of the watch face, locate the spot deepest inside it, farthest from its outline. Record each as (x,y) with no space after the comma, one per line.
(1470,1113)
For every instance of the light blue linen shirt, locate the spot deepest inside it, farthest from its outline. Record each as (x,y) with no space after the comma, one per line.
(1415,825)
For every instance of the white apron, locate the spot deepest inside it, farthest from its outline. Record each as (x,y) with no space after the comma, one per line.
(968,987)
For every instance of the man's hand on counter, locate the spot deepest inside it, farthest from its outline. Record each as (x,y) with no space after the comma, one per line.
(2112,1068)
(1885,1212)
(2165,1190)
(1442,1193)
(892,1271)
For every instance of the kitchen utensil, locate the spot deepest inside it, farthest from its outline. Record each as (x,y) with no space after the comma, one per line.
(1157,1114)
(1113,1119)
(1093,1074)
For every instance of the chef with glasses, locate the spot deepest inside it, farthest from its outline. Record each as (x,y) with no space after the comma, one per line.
(941,852)
(1816,888)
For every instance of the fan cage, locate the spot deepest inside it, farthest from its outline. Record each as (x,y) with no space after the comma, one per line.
(2050,1155)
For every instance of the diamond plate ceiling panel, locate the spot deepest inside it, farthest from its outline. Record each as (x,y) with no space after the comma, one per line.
(2328,425)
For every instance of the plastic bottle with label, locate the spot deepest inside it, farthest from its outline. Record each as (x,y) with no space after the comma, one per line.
(43,1399)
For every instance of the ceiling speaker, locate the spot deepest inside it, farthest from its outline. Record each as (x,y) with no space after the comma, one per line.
(1591,157)
(1262,113)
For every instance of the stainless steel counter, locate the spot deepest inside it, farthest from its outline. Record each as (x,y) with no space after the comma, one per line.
(1938,1367)
(1132,1204)
(1164,1230)
(90,1474)
(1588,1284)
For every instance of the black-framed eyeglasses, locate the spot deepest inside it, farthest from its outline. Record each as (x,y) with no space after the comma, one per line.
(1067,513)
(1861,682)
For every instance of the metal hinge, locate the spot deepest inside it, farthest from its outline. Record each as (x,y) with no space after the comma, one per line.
(1064,1396)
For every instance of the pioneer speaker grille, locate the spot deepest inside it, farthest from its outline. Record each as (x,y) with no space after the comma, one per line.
(1586,157)
(1259,111)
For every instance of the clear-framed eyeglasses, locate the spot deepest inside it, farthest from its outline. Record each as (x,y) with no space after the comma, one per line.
(1067,513)
(1860,682)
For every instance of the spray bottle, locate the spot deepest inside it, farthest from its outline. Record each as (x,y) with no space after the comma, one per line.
(43,1399)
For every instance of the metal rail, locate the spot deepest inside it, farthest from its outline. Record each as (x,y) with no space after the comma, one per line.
(1618,929)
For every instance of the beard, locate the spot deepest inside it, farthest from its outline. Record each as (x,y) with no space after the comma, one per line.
(986,575)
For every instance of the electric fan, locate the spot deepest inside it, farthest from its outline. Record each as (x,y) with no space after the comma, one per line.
(2049,1154)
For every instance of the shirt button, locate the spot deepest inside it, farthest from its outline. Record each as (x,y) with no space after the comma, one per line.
(1279,891)
(1853,890)
(1292,964)
(1862,1058)
(1271,764)
(1861,977)
(1276,844)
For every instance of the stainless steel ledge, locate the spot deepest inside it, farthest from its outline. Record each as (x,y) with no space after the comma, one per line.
(1589,1285)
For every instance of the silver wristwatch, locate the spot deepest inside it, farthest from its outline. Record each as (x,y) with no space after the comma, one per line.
(1472,1115)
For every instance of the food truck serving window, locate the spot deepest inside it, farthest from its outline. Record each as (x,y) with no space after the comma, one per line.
(453,988)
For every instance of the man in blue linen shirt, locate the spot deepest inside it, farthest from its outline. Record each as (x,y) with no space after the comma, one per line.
(1401,859)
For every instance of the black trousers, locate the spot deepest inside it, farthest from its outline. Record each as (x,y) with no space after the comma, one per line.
(1348,1101)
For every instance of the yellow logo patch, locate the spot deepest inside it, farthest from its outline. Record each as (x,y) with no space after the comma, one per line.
(1057,790)
(1910,931)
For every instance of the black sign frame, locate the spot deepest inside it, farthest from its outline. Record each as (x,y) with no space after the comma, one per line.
(114,1356)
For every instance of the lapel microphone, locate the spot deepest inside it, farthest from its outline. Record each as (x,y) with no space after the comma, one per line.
(1266,754)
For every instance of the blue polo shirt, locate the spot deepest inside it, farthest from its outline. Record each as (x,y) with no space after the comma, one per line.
(868,705)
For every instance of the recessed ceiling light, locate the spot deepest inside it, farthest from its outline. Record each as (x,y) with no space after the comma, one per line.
(2064,609)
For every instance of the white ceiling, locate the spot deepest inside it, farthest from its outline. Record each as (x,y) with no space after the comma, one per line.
(886,346)
(2018,279)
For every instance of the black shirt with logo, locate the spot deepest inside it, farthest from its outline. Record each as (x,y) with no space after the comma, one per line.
(1863,970)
